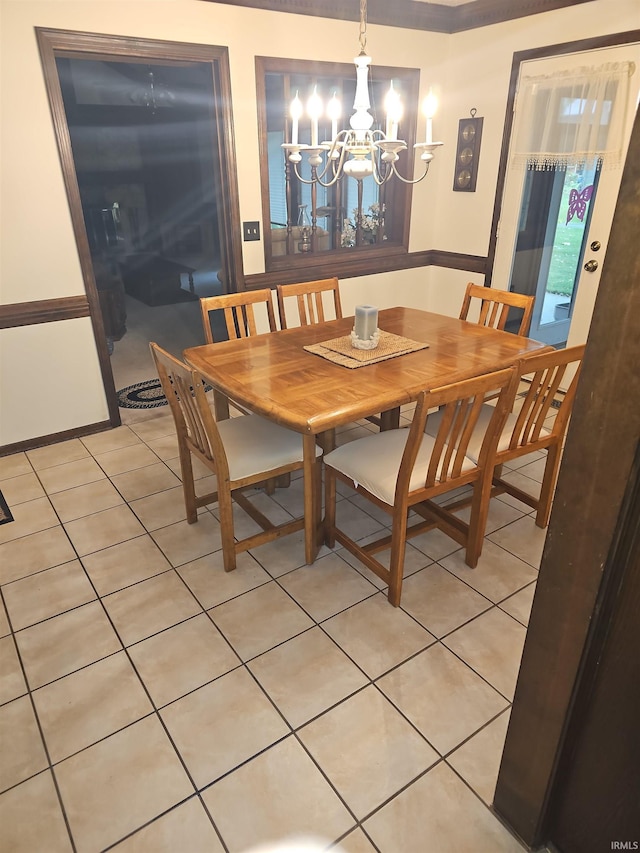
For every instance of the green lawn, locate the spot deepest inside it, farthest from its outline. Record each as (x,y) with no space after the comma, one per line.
(566,245)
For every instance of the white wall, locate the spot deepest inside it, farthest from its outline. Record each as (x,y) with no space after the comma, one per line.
(38,257)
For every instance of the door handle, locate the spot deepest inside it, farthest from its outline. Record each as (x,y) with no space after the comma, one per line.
(591,266)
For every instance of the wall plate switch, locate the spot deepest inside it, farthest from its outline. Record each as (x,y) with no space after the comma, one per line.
(251,230)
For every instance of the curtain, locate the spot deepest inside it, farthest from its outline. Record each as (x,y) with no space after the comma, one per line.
(574,117)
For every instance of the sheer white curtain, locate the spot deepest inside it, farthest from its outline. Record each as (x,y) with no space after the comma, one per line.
(573,117)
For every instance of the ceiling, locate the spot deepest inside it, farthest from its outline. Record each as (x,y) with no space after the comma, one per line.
(441,16)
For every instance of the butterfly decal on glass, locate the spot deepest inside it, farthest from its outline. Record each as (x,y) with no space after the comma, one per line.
(578,203)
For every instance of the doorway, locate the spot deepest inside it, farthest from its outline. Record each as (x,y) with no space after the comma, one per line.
(555,222)
(143,129)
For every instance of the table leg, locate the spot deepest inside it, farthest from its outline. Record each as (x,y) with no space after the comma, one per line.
(312,491)
(390,419)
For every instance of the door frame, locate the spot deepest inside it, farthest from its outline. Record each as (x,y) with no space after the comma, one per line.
(54,43)
(582,45)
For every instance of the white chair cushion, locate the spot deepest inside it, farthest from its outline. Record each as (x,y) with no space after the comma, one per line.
(374,462)
(254,445)
(473,450)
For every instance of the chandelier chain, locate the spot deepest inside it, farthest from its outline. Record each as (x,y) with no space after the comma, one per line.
(363,25)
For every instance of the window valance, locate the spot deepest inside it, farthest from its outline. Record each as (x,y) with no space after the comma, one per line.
(573,117)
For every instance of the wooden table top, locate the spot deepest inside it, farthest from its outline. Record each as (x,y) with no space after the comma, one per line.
(275,377)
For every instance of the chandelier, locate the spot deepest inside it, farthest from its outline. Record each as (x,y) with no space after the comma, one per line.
(359,151)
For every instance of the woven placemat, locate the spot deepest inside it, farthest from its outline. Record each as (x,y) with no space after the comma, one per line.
(340,351)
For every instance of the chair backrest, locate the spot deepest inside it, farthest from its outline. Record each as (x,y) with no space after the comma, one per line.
(195,425)
(547,371)
(458,408)
(494,306)
(239,314)
(309,302)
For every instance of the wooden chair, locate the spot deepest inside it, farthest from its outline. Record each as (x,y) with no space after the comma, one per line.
(525,431)
(309,302)
(242,452)
(239,313)
(404,469)
(494,307)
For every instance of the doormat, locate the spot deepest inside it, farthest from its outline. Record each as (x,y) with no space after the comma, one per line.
(142,395)
(5,512)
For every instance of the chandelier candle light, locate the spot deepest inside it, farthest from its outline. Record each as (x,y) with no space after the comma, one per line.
(354,151)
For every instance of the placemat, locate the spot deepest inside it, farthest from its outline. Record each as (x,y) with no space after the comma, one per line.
(340,351)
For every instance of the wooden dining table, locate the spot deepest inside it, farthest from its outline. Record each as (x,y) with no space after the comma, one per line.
(275,377)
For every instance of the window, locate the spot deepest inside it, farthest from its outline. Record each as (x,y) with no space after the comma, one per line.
(289,204)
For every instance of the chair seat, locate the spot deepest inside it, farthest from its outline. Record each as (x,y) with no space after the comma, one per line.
(374,462)
(254,444)
(475,443)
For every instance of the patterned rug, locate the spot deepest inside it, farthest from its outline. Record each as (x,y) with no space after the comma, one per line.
(142,395)
(5,512)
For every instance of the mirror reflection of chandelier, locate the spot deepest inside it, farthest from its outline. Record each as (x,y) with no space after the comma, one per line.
(358,151)
(152,95)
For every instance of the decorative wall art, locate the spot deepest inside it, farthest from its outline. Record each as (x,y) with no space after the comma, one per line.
(467,153)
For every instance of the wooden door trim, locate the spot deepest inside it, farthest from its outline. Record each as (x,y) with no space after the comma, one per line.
(53,43)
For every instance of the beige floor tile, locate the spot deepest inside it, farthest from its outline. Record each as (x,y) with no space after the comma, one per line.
(57,454)
(126,459)
(222,724)
(526,459)
(4,622)
(497,575)
(244,526)
(200,470)
(161,509)
(442,697)
(69,475)
(211,585)
(14,466)
(30,517)
(186,828)
(326,587)
(18,490)
(440,601)
(66,643)
(12,682)
(519,605)
(500,514)
(284,554)
(279,794)
(259,620)
(86,706)
(376,635)
(125,564)
(31,818)
(21,746)
(112,439)
(46,594)
(102,529)
(165,447)
(121,783)
(492,645)
(367,750)
(414,561)
(182,658)
(145,481)
(478,760)
(434,544)
(356,842)
(33,553)
(182,542)
(439,807)
(534,469)
(519,480)
(355,522)
(85,500)
(155,427)
(306,675)
(150,606)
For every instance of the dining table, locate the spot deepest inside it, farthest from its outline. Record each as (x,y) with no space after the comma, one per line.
(292,378)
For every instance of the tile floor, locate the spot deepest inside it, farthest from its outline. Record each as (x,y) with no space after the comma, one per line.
(151,702)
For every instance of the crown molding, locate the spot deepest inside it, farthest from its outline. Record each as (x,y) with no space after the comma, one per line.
(411,14)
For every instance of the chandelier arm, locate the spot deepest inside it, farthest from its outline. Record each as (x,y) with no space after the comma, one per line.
(318,179)
(406,180)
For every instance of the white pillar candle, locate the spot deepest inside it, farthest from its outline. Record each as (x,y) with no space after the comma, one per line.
(295,111)
(429,107)
(314,110)
(366,321)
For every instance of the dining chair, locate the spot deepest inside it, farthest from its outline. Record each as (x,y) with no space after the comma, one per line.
(495,305)
(309,300)
(239,313)
(404,469)
(526,429)
(242,452)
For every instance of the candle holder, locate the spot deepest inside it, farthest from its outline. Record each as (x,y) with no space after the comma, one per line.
(371,343)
